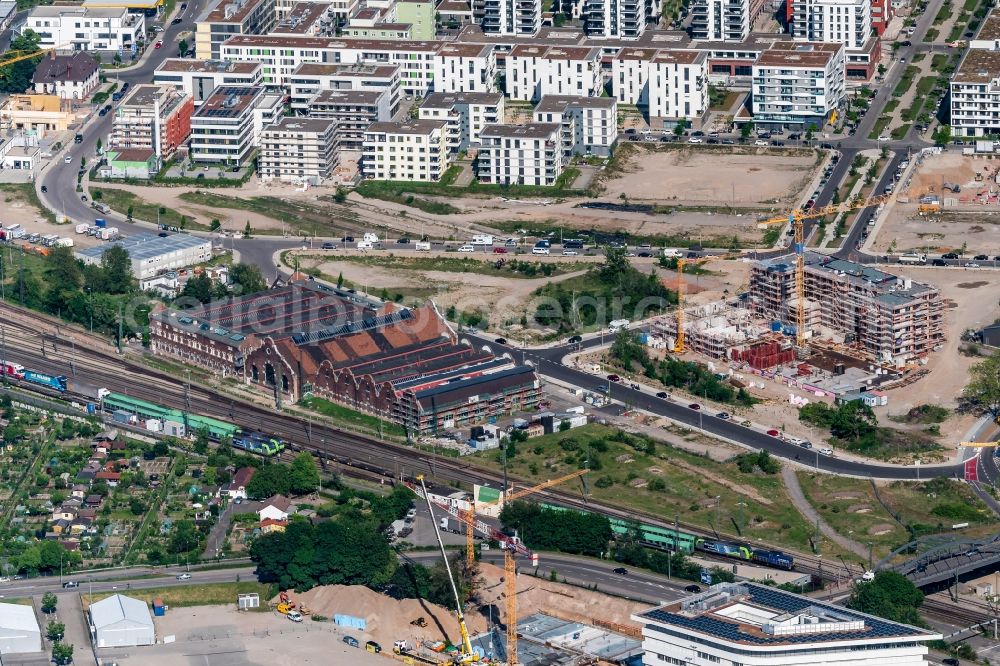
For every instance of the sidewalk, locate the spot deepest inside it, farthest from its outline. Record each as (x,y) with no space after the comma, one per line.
(803,506)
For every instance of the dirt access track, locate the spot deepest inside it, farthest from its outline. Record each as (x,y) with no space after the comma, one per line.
(733,176)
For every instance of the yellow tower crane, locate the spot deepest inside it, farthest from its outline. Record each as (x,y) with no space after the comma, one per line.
(682,293)
(796,218)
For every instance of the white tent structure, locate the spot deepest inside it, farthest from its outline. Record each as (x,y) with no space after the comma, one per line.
(19,630)
(121,621)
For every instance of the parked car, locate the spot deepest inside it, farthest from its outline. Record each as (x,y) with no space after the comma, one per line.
(44,189)
(499,250)
(176,21)
(939,262)
(614,378)
(184,576)
(403,241)
(329,246)
(981,257)
(70,583)
(950,255)
(351,640)
(971,264)
(694,139)
(575,339)
(466,248)
(158,45)
(695,406)
(773,433)
(760,142)
(692,588)
(570,253)
(663,395)
(723,415)
(501,341)
(621,571)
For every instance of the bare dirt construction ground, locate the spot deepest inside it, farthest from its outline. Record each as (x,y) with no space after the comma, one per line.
(974,222)
(716,177)
(18,210)
(223,636)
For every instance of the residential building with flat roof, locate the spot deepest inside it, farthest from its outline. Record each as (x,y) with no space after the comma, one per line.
(298,150)
(466,114)
(339,10)
(85,29)
(975,93)
(352,111)
(151,117)
(759,625)
(419,15)
(622,19)
(414,150)
(280,56)
(310,78)
(222,19)
(200,78)
(847,22)
(894,319)
(988,35)
(724,20)
(465,68)
(226,128)
(589,124)
(376,23)
(72,76)
(670,84)
(797,85)
(509,17)
(151,254)
(311,19)
(534,71)
(529,154)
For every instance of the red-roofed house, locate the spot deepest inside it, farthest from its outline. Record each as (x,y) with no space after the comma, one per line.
(269,525)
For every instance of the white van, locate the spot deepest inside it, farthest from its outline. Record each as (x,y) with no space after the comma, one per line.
(539,250)
(672,253)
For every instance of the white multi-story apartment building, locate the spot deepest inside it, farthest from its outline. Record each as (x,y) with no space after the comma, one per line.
(975,94)
(338,9)
(415,150)
(352,110)
(848,22)
(200,78)
(529,154)
(671,84)
(466,114)
(758,625)
(465,68)
(82,29)
(299,150)
(222,19)
(610,19)
(310,78)
(227,127)
(310,19)
(151,117)
(280,56)
(590,124)
(797,85)
(534,71)
(510,17)
(724,20)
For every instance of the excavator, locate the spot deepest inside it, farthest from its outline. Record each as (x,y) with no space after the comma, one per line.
(465,653)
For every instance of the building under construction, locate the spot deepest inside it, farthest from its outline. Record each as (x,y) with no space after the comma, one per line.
(892,319)
(713,329)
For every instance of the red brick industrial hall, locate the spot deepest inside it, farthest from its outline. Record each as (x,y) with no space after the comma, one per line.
(405,365)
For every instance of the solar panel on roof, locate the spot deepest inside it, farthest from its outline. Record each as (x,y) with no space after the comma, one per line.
(351,327)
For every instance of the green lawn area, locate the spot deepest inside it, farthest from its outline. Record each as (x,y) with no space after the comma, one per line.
(530,270)
(891,106)
(956,31)
(970,5)
(906,82)
(943,14)
(931,35)
(900,132)
(541,228)
(350,419)
(301,217)
(664,481)
(879,127)
(938,61)
(209,594)
(917,57)
(390,190)
(25,193)
(122,200)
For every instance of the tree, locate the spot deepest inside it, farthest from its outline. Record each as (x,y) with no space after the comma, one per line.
(49,603)
(201,442)
(341,195)
(184,537)
(565,531)
(136,506)
(680,127)
(810,131)
(182,47)
(16,77)
(942,134)
(983,387)
(272,479)
(117,269)
(247,231)
(303,475)
(55,631)
(746,130)
(889,595)
(62,653)
(340,281)
(215,225)
(198,288)
(247,279)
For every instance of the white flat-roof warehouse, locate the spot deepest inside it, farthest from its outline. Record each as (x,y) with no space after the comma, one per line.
(19,632)
(121,621)
(152,255)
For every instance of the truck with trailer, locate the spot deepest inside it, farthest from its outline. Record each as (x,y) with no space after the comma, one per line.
(482,239)
(912,258)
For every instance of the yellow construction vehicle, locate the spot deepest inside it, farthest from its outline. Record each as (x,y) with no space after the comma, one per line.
(284,607)
(929,208)
(979,445)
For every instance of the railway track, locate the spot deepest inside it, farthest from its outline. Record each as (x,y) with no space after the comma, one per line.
(965,614)
(59,348)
